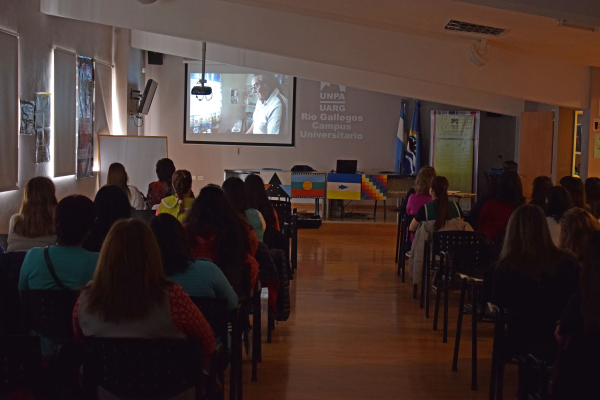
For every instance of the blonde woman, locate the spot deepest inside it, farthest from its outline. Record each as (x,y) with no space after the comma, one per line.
(118,176)
(422,186)
(576,227)
(34,226)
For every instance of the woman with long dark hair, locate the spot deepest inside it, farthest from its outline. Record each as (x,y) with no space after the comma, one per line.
(258,199)
(164,186)
(34,225)
(235,192)
(197,277)
(533,280)
(217,232)
(579,334)
(592,194)
(440,209)
(541,185)
(497,211)
(576,189)
(111,205)
(558,202)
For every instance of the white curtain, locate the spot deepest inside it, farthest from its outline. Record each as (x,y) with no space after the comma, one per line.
(9,112)
(65,113)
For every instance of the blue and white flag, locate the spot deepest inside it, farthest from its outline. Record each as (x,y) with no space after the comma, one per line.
(400,140)
(412,158)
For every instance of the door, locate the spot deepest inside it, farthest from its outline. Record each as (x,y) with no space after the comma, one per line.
(535,147)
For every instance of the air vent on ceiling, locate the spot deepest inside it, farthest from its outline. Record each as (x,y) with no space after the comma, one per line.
(459,26)
(577,25)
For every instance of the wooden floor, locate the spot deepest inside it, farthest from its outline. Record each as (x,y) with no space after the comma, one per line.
(356,333)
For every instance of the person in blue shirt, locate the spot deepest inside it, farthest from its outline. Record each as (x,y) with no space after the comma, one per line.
(197,277)
(74,266)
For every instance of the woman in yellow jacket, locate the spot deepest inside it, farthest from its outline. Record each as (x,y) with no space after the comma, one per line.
(178,204)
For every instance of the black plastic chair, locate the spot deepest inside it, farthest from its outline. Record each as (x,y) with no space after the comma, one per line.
(470,263)
(143,215)
(10,268)
(50,313)
(442,247)
(143,368)
(20,364)
(220,319)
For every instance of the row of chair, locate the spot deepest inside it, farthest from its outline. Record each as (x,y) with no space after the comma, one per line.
(451,257)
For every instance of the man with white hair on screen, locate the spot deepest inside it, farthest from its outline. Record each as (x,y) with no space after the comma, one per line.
(271,108)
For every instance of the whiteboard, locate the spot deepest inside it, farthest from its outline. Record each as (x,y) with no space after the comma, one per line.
(138,154)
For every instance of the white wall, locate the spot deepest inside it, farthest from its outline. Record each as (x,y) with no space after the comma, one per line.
(39,33)
(376,154)
(509,73)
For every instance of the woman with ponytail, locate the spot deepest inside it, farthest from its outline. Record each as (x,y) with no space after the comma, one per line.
(440,209)
(178,204)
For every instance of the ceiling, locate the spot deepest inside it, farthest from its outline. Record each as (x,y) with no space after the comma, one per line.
(528,33)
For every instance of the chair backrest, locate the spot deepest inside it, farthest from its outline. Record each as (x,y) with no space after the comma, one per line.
(216,313)
(444,241)
(4,241)
(50,313)
(10,268)
(142,368)
(284,211)
(143,215)
(472,259)
(20,363)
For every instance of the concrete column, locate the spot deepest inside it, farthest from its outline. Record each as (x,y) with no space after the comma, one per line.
(587,129)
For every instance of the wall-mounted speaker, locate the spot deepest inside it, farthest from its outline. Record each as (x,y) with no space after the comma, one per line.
(155,58)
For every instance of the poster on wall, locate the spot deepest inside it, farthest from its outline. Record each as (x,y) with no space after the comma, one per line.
(454,147)
(43,125)
(85,115)
(27,117)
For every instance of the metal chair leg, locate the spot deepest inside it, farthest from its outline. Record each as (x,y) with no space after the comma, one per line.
(415,290)
(446,293)
(427,285)
(474,339)
(461,306)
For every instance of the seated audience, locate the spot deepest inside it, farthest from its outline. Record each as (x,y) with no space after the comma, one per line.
(578,334)
(558,202)
(111,205)
(497,211)
(577,225)
(118,176)
(592,194)
(216,231)
(181,201)
(130,297)
(258,199)
(421,196)
(163,187)
(576,189)
(491,192)
(34,225)
(197,277)
(533,280)
(440,209)
(541,184)
(235,193)
(73,265)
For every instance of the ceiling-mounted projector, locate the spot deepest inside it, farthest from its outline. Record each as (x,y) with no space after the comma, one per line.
(202,90)
(477,51)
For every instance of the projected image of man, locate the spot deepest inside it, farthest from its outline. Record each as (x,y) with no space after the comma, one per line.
(271,108)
